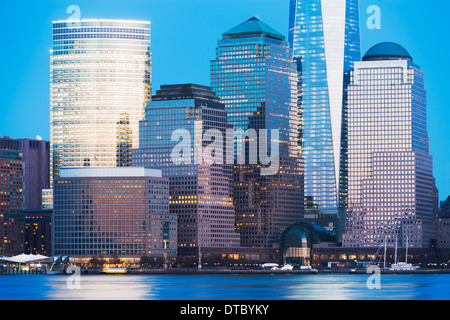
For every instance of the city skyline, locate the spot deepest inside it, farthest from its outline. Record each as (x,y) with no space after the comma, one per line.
(26,69)
(133,140)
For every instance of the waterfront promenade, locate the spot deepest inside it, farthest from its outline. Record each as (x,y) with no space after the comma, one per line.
(185,271)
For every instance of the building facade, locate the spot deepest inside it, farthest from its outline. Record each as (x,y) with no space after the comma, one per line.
(445,208)
(38,232)
(200,191)
(391,189)
(13,234)
(325,39)
(443,224)
(36,168)
(100,81)
(443,230)
(11,200)
(255,76)
(108,212)
(298,240)
(338,257)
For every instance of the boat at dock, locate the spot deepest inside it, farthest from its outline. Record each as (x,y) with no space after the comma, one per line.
(114,270)
(403,266)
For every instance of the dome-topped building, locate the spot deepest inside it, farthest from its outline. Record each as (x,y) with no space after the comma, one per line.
(391,189)
(387,51)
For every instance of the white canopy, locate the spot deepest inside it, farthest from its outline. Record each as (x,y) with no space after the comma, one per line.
(25,258)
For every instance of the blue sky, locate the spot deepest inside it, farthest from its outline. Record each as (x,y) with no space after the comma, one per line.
(184,38)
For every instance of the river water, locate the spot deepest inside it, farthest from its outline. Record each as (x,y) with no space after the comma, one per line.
(224,287)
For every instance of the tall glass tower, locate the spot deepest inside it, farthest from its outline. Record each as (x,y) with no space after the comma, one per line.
(200,192)
(255,77)
(390,172)
(100,81)
(325,38)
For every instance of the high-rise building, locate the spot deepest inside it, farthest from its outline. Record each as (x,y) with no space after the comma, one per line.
(443,224)
(35,154)
(256,78)
(108,212)
(391,189)
(200,192)
(445,208)
(325,38)
(11,202)
(100,81)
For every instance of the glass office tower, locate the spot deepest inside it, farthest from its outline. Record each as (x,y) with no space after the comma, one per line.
(100,81)
(325,38)
(255,77)
(200,192)
(391,188)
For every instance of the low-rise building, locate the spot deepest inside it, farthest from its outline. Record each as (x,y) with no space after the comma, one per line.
(113,212)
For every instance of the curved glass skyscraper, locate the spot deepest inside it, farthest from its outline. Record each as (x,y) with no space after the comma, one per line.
(325,38)
(100,81)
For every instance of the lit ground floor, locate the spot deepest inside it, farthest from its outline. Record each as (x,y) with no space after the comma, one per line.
(339,257)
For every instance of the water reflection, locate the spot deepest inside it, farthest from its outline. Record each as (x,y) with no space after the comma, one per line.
(225,287)
(331,287)
(104,287)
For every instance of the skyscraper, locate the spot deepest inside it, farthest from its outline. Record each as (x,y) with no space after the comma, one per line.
(325,38)
(100,81)
(391,189)
(255,77)
(200,192)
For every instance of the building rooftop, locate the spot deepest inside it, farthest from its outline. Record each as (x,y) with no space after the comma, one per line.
(109,172)
(102,20)
(387,51)
(253,27)
(184,91)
